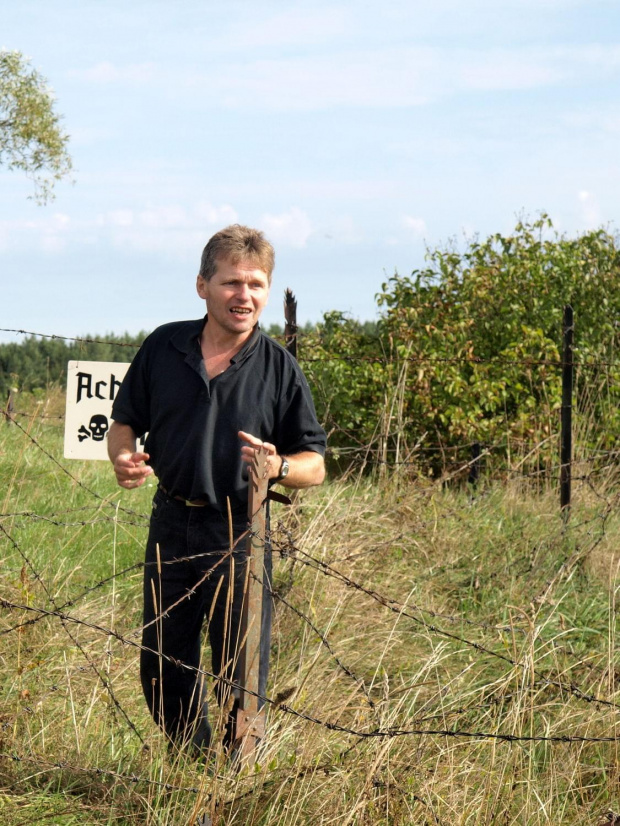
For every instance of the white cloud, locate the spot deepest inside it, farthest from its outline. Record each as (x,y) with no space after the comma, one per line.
(167,228)
(590,210)
(292,228)
(416,225)
(117,218)
(343,230)
(602,119)
(53,242)
(87,136)
(50,233)
(164,217)
(216,216)
(322,76)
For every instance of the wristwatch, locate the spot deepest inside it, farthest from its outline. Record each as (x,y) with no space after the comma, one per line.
(284,469)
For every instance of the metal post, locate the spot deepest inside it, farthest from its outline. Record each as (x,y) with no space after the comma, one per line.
(290,322)
(250,720)
(474,468)
(566,437)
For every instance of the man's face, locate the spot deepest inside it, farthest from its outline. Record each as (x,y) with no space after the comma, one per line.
(236,296)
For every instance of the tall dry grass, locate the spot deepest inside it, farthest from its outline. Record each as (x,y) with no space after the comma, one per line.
(401,607)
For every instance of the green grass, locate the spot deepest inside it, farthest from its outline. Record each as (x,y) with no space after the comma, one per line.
(420,579)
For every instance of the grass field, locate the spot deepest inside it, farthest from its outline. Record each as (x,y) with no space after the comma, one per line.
(437,658)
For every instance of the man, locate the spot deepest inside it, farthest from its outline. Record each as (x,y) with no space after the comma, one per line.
(209,393)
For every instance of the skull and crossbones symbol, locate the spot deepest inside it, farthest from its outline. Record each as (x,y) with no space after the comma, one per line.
(96,430)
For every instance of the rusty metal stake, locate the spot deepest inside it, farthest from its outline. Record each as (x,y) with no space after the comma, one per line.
(250,720)
(290,322)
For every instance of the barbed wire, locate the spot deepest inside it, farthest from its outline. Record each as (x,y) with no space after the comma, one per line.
(79,524)
(392,605)
(290,549)
(105,682)
(389,732)
(36,415)
(385,359)
(546,471)
(68,473)
(55,336)
(285,550)
(400,608)
(324,641)
(63,765)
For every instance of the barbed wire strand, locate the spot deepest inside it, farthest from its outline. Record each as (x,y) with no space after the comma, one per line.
(68,473)
(389,732)
(396,359)
(400,609)
(105,682)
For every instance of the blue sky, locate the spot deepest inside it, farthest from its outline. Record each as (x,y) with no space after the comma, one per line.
(355,134)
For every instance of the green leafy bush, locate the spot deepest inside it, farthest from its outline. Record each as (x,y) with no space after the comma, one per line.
(469,348)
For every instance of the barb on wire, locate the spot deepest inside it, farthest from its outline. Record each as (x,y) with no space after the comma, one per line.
(59,417)
(400,609)
(54,336)
(284,550)
(102,678)
(384,359)
(324,641)
(79,524)
(70,603)
(389,732)
(71,476)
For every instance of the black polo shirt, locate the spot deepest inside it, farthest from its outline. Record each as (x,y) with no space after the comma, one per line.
(192,421)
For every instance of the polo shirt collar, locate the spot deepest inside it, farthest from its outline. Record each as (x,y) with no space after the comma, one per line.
(185,339)
(248,347)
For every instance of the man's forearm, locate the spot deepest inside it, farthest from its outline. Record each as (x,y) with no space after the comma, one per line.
(121,439)
(305,470)
(129,464)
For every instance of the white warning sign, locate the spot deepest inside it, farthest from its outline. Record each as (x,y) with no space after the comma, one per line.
(91,389)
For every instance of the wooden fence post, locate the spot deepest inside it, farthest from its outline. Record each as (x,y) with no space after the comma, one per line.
(566,436)
(290,322)
(250,719)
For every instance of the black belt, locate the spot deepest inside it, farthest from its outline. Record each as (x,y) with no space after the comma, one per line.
(202,503)
(191,503)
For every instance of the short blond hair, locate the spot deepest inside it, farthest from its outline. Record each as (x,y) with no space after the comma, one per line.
(237,243)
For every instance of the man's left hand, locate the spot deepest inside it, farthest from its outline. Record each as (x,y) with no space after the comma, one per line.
(273,460)
(306,468)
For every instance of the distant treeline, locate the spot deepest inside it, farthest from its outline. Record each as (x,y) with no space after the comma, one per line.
(39,363)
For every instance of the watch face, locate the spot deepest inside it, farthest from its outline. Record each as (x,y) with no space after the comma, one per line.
(284,469)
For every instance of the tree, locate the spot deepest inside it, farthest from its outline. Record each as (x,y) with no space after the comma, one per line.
(31,137)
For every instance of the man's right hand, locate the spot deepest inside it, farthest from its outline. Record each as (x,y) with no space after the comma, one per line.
(130,470)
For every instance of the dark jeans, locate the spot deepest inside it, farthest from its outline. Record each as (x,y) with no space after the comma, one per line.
(196,580)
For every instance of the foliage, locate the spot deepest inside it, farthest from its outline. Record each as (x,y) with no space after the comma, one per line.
(31,137)
(468,349)
(34,364)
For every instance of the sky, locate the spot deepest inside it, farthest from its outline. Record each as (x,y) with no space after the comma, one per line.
(355,134)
